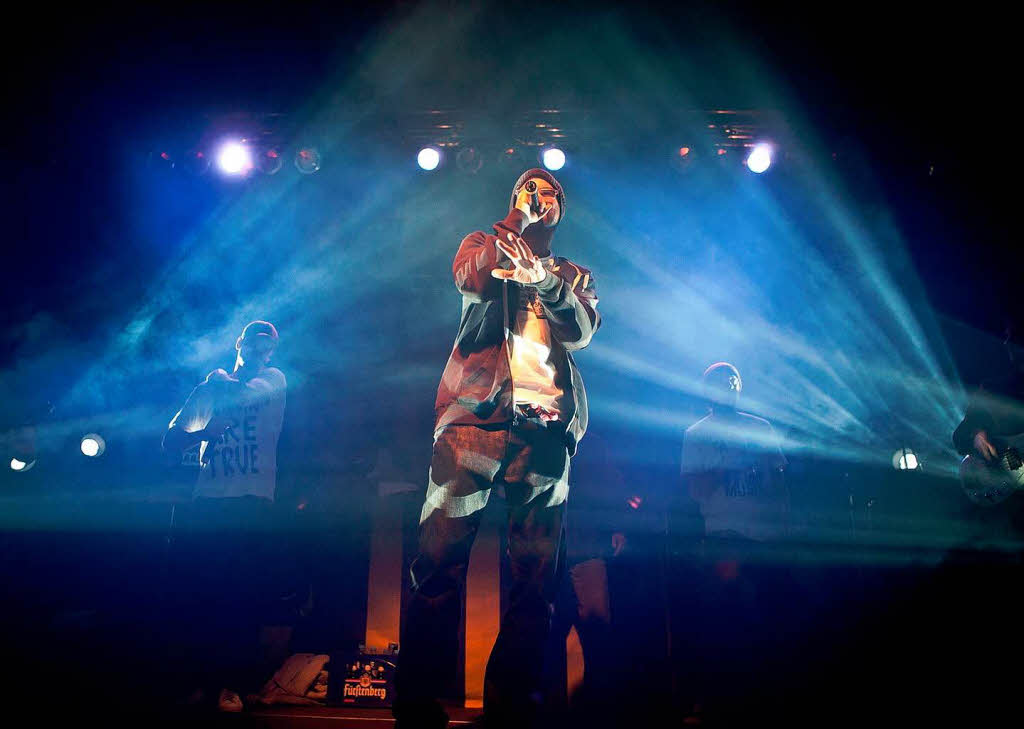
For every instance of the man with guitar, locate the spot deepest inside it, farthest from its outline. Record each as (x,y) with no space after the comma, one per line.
(991,435)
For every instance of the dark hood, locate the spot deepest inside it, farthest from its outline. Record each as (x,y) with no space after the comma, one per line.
(536,235)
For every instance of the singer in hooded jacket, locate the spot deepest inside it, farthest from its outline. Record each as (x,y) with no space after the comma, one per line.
(511,409)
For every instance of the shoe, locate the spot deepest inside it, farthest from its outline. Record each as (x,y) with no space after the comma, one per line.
(229,701)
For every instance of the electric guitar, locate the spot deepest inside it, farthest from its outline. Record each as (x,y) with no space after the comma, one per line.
(988,483)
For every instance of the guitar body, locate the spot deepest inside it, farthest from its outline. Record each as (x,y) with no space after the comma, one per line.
(989,483)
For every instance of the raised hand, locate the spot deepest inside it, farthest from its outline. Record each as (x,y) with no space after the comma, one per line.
(526,267)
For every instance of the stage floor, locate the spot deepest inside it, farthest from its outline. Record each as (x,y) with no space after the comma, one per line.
(323,717)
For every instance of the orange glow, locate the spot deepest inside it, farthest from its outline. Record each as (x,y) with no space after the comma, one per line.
(683,151)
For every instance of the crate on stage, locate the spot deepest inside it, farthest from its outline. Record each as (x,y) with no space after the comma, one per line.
(365,678)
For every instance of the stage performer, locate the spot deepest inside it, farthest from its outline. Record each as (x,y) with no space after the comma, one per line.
(227,559)
(511,410)
(736,643)
(993,422)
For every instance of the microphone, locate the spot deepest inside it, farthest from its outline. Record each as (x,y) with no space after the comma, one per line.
(531,187)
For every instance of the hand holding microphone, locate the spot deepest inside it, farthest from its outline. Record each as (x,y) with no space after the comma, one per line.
(213,433)
(529,203)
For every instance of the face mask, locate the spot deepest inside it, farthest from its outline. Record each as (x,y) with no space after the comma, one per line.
(538,236)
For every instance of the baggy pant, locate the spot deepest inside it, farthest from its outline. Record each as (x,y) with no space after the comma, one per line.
(531,461)
(584,603)
(231,564)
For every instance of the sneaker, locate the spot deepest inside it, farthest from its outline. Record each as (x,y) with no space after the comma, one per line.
(229,701)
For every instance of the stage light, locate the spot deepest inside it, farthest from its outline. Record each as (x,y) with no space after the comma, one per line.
(429,158)
(307,160)
(17,465)
(682,158)
(760,158)
(553,158)
(195,162)
(905,460)
(234,158)
(468,160)
(511,159)
(163,160)
(269,162)
(93,445)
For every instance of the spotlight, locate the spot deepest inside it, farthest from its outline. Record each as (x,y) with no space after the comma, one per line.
(553,158)
(234,158)
(510,158)
(429,158)
(163,160)
(760,158)
(21,466)
(196,162)
(269,162)
(682,158)
(468,160)
(93,445)
(307,160)
(905,460)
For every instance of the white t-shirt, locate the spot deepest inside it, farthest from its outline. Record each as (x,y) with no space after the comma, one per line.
(742,450)
(533,373)
(244,461)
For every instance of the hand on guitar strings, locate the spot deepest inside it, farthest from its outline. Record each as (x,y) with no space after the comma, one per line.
(984,446)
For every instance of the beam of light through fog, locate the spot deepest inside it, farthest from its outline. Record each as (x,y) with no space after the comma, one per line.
(833,347)
(792,284)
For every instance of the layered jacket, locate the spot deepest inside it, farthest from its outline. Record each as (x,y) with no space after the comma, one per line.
(476,387)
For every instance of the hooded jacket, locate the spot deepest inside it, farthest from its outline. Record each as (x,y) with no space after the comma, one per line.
(476,387)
